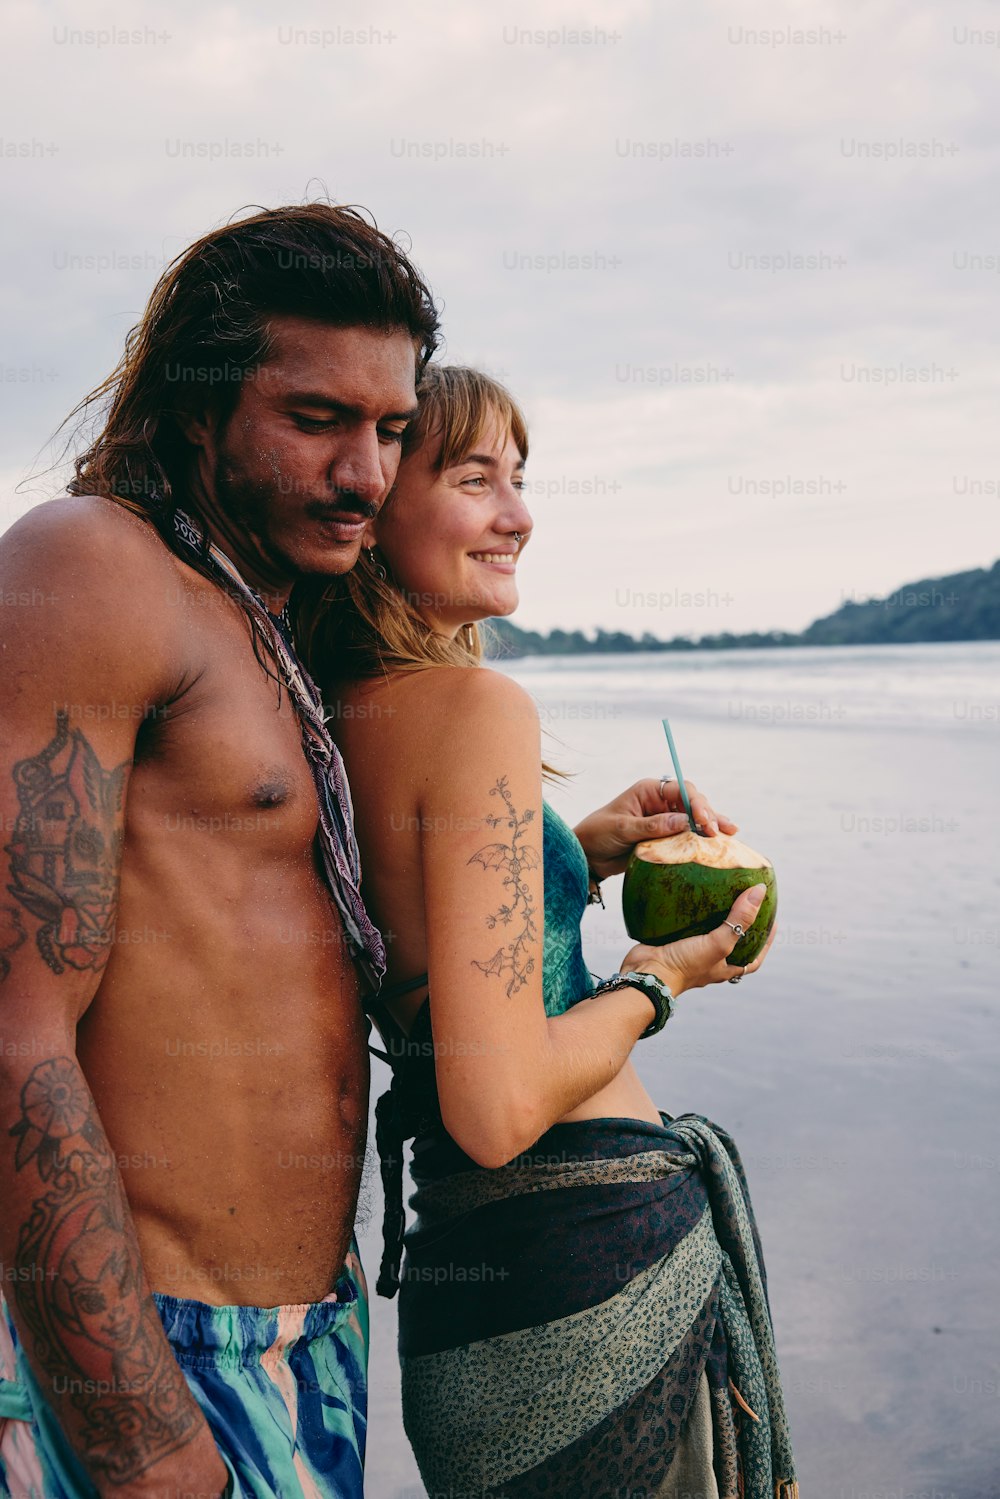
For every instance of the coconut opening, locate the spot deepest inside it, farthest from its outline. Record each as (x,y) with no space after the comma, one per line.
(720,852)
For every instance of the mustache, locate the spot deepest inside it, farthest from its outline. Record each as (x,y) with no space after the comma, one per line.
(346,503)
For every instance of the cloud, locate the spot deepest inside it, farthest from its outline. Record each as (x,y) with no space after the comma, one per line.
(673,229)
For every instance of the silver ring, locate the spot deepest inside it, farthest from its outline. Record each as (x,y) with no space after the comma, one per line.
(740,976)
(740,932)
(517,537)
(665,781)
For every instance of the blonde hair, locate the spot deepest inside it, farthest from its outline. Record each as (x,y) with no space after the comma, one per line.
(363,622)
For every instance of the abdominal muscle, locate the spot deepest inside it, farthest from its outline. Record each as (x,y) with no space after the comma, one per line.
(623,1098)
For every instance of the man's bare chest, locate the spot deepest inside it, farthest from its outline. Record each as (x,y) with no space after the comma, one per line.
(224,755)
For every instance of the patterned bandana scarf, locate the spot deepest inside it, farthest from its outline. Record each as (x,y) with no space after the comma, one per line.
(341,861)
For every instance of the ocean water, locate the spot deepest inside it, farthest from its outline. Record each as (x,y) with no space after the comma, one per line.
(858,1071)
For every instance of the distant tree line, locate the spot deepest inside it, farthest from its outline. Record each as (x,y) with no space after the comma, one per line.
(962,606)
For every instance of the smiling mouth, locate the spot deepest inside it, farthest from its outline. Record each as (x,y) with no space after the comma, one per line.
(495,557)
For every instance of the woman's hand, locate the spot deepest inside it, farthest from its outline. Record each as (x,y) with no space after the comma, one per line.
(697,961)
(609,835)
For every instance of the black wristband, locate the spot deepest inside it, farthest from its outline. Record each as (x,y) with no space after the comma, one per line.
(655,991)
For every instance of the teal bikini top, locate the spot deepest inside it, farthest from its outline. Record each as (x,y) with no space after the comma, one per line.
(410,1106)
(565,976)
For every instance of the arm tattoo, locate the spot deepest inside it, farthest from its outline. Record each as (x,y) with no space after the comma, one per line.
(514,858)
(65,852)
(12,934)
(80,1288)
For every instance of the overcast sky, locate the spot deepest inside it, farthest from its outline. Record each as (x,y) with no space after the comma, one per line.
(605,198)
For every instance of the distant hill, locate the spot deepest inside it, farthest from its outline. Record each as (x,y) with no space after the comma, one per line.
(962,606)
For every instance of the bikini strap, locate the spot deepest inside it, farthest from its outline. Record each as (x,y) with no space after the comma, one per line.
(376,1006)
(390,1137)
(394,991)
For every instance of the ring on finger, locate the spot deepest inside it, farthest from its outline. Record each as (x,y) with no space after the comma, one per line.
(664,782)
(736,927)
(739,976)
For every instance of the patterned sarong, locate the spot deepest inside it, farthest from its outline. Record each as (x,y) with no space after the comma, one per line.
(591,1320)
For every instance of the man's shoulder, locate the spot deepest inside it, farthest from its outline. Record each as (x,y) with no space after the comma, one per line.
(95,579)
(90,547)
(85,526)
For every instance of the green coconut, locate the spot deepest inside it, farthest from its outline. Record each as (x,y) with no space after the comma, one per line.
(685,886)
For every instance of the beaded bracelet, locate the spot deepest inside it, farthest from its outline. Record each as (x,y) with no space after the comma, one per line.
(655,991)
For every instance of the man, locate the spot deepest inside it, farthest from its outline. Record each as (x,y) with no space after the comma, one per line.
(183,1064)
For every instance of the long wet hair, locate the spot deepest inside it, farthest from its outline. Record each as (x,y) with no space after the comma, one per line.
(206,331)
(362,625)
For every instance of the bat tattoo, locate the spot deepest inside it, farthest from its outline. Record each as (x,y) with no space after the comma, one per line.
(513,958)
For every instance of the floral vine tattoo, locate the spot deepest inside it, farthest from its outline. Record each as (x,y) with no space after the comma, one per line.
(514,858)
(65,850)
(80,1289)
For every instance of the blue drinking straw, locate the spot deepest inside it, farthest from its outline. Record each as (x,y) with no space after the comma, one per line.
(679,774)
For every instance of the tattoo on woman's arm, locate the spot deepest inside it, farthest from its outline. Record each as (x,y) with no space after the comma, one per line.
(514,958)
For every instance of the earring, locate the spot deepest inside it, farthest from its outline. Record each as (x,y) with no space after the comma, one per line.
(376,566)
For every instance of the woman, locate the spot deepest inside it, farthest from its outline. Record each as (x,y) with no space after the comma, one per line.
(582,1307)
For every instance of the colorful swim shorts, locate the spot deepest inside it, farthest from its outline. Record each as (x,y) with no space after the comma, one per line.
(284,1390)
